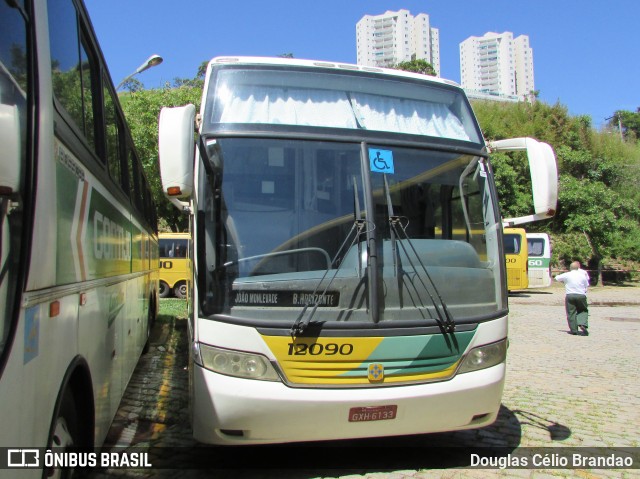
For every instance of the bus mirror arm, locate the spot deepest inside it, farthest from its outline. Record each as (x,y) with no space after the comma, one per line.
(181,205)
(522,220)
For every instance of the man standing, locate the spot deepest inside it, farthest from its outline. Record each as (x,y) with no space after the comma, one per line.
(576,282)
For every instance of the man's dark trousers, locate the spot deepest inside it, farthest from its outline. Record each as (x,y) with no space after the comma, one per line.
(577,311)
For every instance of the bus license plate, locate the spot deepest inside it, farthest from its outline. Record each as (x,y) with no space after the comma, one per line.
(373,413)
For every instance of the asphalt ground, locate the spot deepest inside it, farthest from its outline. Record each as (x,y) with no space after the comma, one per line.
(568,401)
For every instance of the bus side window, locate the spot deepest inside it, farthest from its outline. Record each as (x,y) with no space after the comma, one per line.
(72,68)
(113,138)
(134,180)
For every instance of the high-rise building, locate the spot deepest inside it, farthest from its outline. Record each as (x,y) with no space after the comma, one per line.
(394,37)
(497,64)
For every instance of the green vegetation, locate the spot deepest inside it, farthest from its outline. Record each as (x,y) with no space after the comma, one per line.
(142,109)
(627,123)
(598,216)
(417,66)
(172,308)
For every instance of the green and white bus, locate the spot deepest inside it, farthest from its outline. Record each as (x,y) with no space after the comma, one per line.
(539,248)
(79,248)
(348,263)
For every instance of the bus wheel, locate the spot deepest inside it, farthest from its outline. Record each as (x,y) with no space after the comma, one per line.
(65,433)
(180,290)
(164,290)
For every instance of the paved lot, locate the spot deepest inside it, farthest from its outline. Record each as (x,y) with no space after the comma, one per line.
(562,392)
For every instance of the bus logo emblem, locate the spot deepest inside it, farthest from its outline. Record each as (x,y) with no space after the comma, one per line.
(375,372)
(23,458)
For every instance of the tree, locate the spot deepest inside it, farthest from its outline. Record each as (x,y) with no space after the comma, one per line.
(598,217)
(417,66)
(142,109)
(628,122)
(202,70)
(196,82)
(132,84)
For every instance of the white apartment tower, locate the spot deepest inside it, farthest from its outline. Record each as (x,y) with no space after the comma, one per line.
(393,37)
(497,64)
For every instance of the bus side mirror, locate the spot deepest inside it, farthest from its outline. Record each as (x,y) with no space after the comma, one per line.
(176,151)
(544,176)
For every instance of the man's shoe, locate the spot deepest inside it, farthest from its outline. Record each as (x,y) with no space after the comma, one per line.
(585,331)
(572,333)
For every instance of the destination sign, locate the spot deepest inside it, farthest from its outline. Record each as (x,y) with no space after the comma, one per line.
(286,298)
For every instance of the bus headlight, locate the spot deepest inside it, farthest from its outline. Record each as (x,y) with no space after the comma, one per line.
(484,357)
(235,363)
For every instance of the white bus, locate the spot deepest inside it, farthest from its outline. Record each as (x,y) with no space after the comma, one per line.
(332,298)
(79,254)
(539,247)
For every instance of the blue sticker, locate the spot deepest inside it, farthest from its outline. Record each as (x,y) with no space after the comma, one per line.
(381,161)
(31,334)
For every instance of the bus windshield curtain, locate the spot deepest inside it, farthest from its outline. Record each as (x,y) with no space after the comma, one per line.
(286,106)
(383,113)
(337,109)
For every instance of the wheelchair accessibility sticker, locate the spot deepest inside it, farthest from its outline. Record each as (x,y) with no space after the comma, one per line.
(381,161)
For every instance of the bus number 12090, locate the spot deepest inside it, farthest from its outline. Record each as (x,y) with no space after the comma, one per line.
(316,349)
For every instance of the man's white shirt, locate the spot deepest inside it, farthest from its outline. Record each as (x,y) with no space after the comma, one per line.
(575,282)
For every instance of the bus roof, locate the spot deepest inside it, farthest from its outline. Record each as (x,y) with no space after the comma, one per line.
(240,60)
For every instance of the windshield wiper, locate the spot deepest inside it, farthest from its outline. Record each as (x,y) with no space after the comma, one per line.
(398,231)
(398,272)
(303,319)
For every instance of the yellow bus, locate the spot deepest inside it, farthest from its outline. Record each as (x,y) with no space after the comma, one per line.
(517,257)
(174,264)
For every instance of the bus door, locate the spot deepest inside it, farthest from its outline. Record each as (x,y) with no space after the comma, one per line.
(516,257)
(14,140)
(539,248)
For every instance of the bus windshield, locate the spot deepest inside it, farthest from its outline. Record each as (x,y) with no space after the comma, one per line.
(319,99)
(286,223)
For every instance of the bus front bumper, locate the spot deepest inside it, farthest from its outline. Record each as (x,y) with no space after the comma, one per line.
(228,410)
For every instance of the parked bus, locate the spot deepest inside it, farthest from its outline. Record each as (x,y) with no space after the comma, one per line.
(331,299)
(174,264)
(79,248)
(539,248)
(516,257)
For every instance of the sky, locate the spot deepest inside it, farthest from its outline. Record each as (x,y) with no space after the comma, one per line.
(585,52)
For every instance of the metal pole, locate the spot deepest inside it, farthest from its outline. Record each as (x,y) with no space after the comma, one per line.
(152,61)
